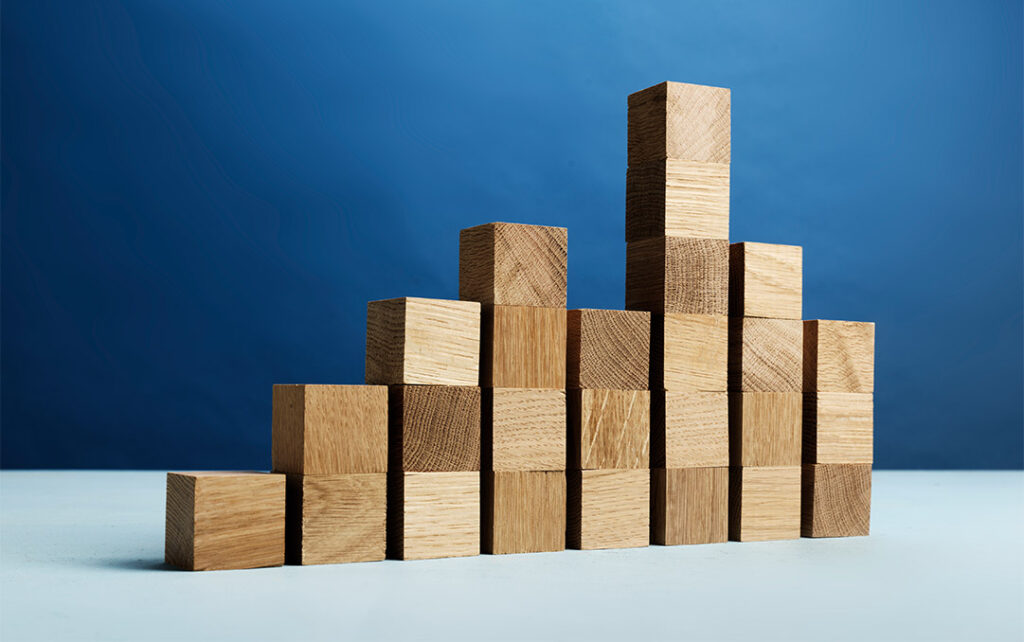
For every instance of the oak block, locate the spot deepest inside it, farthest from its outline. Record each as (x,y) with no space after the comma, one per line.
(689,352)
(689,429)
(689,505)
(512,264)
(433,515)
(838,428)
(679,120)
(608,349)
(434,428)
(608,509)
(523,512)
(765,355)
(609,429)
(675,274)
(523,429)
(765,428)
(523,347)
(675,197)
(765,280)
(325,430)
(764,503)
(423,341)
(334,519)
(839,356)
(224,520)
(836,500)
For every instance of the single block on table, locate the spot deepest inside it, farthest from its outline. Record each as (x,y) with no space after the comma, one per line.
(765,428)
(839,356)
(689,505)
(838,428)
(609,349)
(333,519)
(511,264)
(608,509)
(765,355)
(524,429)
(689,429)
(434,428)
(836,500)
(609,429)
(433,515)
(675,274)
(523,511)
(690,352)
(764,503)
(674,197)
(523,347)
(765,280)
(679,120)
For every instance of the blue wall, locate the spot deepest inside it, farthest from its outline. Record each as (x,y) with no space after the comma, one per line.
(200,196)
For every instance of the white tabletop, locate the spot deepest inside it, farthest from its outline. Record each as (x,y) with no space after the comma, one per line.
(81,558)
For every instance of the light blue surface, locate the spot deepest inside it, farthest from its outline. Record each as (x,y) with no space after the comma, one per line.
(80,558)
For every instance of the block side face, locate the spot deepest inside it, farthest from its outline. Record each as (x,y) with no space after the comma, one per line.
(698,122)
(646,125)
(615,509)
(677,198)
(736,280)
(441,515)
(645,275)
(646,214)
(239,521)
(770,505)
(810,356)
(439,428)
(343,518)
(476,264)
(530,265)
(696,429)
(846,357)
(179,527)
(696,278)
(615,429)
(696,505)
(613,350)
(770,428)
(527,347)
(696,353)
(841,500)
(843,428)
(345,430)
(773,281)
(385,341)
(442,343)
(766,355)
(529,512)
(529,429)
(287,422)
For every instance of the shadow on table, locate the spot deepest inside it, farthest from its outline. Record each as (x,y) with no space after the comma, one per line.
(137,564)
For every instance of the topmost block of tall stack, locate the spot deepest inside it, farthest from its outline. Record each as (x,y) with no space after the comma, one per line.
(514,264)
(681,121)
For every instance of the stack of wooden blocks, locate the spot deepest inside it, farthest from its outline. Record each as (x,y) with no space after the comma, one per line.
(503,423)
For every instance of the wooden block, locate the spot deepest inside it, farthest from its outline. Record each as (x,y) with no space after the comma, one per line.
(333,519)
(838,428)
(675,197)
(674,274)
(524,429)
(608,509)
(510,264)
(434,428)
(765,428)
(679,120)
(764,503)
(608,349)
(523,347)
(689,429)
(523,512)
(765,280)
(224,520)
(609,429)
(689,505)
(836,500)
(839,356)
(765,355)
(690,352)
(326,430)
(433,515)
(423,341)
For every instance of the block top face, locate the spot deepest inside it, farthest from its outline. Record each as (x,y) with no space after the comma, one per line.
(608,349)
(514,264)
(839,356)
(766,280)
(680,120)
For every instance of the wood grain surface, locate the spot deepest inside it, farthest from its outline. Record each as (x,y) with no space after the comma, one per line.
(689,505)
(512,264)
(608,509)
(679,120)
(609,429)
(765,428)
(675,197)
(432,515)
(523,512)
(836,500)
(608,349)
(524,429)
(434,428)
(765,280)
(838,428)
(764,503)
(689,352)
(675,274)
(765,355)
(333,519)
(689,429)
(839,356)
(523,347)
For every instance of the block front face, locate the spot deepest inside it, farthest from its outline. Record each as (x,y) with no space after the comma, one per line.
(608,349)
(524,512)
(690,353)
(524,347)
(766,280)
(334,519)
(678,275)
(838,428)
(765,428)
(836,500)
(695,426)
(435,428)
(433,515)
(609,429)
(764,503)
(608,509)
(528,429)
(765,355)
(679,120)
(423,341)
(677,198)
(839,356)
(510,264)
(690,506)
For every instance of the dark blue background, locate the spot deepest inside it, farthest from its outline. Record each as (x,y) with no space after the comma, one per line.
(199,197)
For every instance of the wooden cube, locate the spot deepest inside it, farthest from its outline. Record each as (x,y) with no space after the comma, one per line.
(423,341)
(675,197)
(608,509)
(765,355)
(765,280)
(764,503)
(690,352)
(510,264)
(327,430)
(523,347)
(524,429)
(334,519)
(838,428)
(523,512)
(434,428)
(679,120)
(224,520)
(609,349)
(433,515)
(765,428)
(689,506)
(839,356)
(689,429)
(836,500)
(609,429)
(674,274)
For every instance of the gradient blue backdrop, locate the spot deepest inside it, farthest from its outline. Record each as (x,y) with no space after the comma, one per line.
(200,196)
